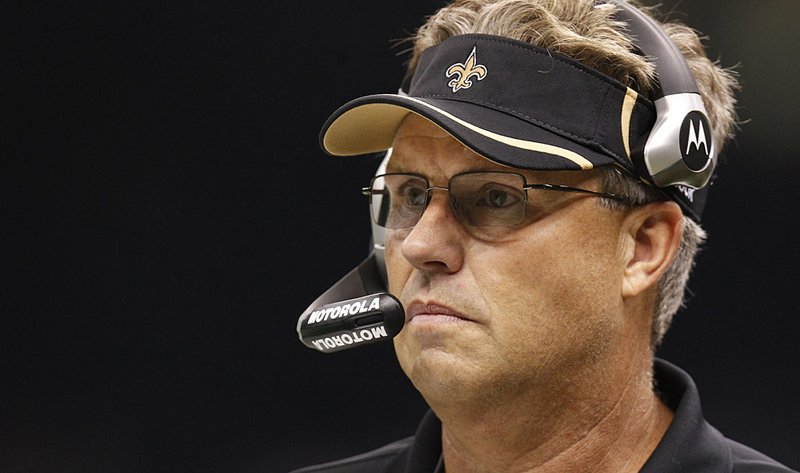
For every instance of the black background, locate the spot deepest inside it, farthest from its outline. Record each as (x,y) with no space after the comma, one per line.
(167,215)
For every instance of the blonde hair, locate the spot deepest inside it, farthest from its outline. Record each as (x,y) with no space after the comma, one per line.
(588,32)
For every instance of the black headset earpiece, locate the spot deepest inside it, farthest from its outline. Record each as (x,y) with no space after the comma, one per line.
(680,150)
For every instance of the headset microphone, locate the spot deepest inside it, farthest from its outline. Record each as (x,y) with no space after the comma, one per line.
(355,311)
(351,323)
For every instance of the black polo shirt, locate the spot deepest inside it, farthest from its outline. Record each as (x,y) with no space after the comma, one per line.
(690,444)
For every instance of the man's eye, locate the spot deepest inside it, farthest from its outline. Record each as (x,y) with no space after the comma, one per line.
(496,198)
(414,196)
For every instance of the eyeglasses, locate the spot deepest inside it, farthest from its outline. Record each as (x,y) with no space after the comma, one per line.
(481,199)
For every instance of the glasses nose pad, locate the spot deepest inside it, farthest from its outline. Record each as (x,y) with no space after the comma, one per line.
(455,206)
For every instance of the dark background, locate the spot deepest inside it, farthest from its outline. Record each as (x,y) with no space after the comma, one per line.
(167,215)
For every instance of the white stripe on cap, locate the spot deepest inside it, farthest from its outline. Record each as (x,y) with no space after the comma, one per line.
(627,111)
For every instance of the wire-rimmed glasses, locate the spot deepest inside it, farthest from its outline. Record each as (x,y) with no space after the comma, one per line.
(478,199)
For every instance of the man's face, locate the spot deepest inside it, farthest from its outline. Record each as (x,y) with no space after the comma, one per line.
(538,305)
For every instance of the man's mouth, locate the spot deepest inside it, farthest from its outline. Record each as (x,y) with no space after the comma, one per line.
(428,312)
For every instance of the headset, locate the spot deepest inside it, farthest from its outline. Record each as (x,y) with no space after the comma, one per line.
(679,156)
(680,150)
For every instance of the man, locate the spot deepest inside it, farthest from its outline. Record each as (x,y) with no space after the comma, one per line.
(538,243)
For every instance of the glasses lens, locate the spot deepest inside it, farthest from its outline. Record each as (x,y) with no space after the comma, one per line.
(488,199)
(398,200)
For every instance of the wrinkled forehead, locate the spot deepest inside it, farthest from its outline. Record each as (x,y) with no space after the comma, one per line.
(421,144)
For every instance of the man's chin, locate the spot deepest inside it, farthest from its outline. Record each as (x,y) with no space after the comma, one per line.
(441,375)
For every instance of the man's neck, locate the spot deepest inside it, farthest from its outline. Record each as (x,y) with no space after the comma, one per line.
(573,431)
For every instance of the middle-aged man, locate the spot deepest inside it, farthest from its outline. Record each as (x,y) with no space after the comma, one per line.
(540,240)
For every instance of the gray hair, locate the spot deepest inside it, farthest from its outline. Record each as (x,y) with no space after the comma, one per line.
(587,31)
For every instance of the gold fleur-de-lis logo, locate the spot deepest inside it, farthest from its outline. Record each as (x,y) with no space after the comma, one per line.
(465,72)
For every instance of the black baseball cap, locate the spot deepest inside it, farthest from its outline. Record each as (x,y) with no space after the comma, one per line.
(513,103)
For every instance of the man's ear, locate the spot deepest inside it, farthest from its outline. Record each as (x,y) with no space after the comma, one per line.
(655,232)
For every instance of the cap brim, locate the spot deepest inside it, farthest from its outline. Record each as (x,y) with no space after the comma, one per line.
(369,124)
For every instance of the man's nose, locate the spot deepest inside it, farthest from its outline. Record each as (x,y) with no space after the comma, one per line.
(435,242)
